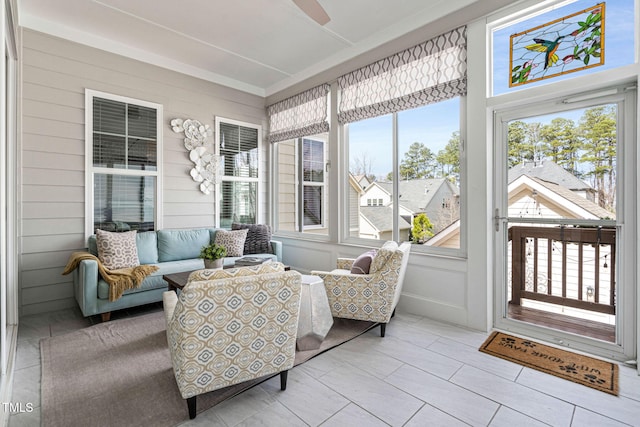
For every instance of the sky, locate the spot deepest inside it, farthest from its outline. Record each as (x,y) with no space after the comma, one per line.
(434,124)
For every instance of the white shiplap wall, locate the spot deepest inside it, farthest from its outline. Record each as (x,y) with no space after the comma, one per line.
(55,75)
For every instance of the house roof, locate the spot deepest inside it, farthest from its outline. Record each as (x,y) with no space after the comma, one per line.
(381,217)
(416,194)
(578,200)
(550,172)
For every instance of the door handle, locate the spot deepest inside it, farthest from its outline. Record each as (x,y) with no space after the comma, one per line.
(498,219)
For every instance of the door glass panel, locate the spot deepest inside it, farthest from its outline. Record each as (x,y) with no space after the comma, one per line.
(561,184)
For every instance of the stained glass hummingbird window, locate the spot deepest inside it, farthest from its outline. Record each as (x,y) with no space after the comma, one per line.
(565,45)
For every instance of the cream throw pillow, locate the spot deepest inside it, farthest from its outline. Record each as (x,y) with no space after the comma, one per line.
(382,256)
(117,250)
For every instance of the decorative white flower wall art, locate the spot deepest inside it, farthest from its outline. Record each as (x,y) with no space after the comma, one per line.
(205,170)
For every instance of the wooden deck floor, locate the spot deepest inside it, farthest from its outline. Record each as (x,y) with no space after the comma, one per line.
(584,327)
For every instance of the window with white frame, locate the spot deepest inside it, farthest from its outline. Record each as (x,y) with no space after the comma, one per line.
(238,145)
(402,119)
(298,131)
(313,182)
(123,163)
(427,142)
(301,189)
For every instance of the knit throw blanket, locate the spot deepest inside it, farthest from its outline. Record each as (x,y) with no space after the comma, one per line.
(119,280)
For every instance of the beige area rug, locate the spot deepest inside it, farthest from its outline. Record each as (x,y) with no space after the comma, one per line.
(119,374)
(594,373)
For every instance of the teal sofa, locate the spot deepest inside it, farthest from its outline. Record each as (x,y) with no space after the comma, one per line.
(173,251)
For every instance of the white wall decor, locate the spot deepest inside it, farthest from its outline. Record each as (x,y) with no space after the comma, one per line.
(205,170)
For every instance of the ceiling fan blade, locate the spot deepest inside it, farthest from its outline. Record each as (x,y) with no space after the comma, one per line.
(314,10)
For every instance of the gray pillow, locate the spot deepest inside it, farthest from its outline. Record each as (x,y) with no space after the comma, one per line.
(362,264)
(258,239)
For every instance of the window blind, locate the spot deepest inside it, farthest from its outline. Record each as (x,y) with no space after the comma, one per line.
(432,71)
(312,205)
(239,150)
(124,135)
(300,115)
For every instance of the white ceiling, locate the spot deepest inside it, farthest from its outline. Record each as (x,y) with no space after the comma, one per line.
(258,46)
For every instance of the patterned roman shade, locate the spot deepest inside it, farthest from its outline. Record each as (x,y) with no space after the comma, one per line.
(301,115)
(429,72)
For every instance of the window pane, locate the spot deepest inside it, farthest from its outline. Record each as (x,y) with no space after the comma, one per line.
(313,166)
(109,151)
(124,141)
(429,154)
(370,145)
(239,203)
(570,154)
(239,150)
(312,205)
(109,116)
(123,203)
(301,188)
(142,154)
(142,121)
(571,42)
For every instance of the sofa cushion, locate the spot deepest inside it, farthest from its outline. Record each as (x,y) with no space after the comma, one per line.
(258,239)
(147,243)
(212,274)
(155,280)
(174,245)
(117,250)
(232,240)
(362,264)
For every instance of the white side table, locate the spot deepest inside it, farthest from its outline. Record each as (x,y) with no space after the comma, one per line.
(315,314)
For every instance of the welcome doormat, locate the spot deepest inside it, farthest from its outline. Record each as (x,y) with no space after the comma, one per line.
(594,373)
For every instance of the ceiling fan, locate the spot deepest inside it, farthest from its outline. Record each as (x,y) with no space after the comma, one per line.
(314,10)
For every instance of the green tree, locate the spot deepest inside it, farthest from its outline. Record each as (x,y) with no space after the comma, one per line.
(448,159)
(422,228)
(418,162)
(561,143)
(520,146)
(597,129)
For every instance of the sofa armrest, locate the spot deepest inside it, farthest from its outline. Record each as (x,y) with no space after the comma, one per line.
(169,301)
(277,249)
(85,284)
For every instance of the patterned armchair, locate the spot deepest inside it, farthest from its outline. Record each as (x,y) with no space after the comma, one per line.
(372,296)
(230,326)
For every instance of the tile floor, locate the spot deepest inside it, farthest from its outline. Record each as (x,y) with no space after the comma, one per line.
(423,373)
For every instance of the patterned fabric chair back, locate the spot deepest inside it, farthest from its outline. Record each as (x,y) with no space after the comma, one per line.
(227,331)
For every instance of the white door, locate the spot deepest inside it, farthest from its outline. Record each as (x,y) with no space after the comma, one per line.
(565,222)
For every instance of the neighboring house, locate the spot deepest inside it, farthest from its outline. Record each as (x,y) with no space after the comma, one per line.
(376,222)
(538,198)
(362,181)
(355,192)
(552,172)
(534,196)
(437,198)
